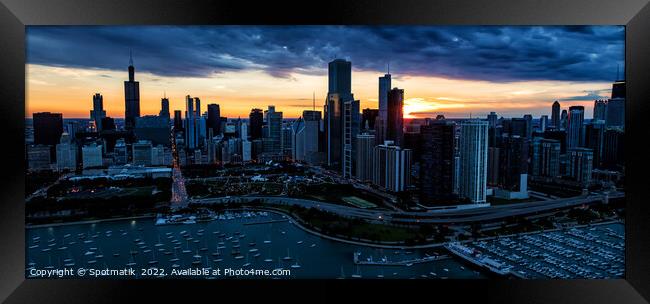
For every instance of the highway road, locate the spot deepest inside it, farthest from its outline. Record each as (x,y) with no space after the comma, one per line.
(446,216)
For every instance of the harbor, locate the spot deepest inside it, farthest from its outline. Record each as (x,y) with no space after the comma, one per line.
(586,252)
(249,240)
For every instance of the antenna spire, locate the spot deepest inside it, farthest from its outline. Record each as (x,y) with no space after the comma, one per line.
(388,68)
(130,57)
(314,101)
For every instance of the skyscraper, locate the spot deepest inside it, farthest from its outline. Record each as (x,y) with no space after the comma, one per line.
(529,125)
(214,118)
(555,115)
(339,100)
(153,128)
(298,139)
(48,128)
(575,128)
(618,89)
(66,154)
(546,157)
(120,150)
(437,162)
(543,123)
(340,78)
(392,167)
(600,109)
(274,125)
(91,155)
(365,152)
(395,120)
(131,98)
(350,130)
(473,160)
(595,139)
(615,117)
(564,120)
(368,118)
(142,153)
(194,123)
(38,157)
(513,162)
(613,156)
(311,132)
(164,107)
(493,165)
(256,120)
(108,123)
(178,120)
(384,88)
(580,164)
(515,126)
(98,113)
(492,119)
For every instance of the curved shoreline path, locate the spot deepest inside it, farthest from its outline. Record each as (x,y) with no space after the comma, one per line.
(468,215)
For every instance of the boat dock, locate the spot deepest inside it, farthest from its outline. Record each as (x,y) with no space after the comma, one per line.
(385,262)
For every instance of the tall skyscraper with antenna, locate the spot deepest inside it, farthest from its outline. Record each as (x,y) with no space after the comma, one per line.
(381,122)
(131,97)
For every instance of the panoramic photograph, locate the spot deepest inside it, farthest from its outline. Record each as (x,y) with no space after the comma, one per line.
(325,152)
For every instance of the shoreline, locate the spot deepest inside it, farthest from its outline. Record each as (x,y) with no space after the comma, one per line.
(292,219)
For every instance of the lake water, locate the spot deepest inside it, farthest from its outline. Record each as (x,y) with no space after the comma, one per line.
(113,245)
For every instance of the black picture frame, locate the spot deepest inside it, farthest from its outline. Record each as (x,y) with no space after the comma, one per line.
(16,14)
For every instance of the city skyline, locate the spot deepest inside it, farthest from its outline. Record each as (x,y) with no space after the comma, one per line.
(241,83)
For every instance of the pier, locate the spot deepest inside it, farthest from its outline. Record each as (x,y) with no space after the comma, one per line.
(385,262)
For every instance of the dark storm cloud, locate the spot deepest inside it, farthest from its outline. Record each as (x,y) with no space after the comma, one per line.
(574,53)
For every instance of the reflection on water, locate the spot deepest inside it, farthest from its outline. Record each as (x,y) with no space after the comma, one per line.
(244,241)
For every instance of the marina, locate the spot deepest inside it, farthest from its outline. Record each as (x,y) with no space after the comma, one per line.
(587,252)
(225,242)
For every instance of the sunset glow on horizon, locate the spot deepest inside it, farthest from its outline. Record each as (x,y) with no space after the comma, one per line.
(519,77)
(70,90)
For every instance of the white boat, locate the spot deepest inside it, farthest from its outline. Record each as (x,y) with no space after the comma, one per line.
(295,265)
(288,257)
(357,275)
